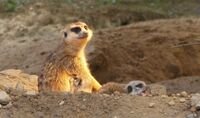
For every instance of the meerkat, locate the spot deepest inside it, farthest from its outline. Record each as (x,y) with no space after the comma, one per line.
(66,69)
(133,88)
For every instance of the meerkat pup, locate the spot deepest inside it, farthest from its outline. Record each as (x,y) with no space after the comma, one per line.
(66,69)
(133,88)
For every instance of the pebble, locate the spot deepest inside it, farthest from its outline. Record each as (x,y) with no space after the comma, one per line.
(106,95)
(61,103)
(84,100)
(83,107)
(171,103)
(117,93)
(164,96)
(184,94)
(116,98)
(8,105)
(195,100)
(4,98)
(182,100)
(132,112)
(173,95)
(151,105)
(178,94)
(157,90)
(30,93)
(175,98)
(192,115)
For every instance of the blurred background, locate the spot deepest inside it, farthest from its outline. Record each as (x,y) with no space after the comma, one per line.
(102,13)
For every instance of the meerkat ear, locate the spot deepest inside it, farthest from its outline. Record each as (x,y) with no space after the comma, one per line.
(64,33)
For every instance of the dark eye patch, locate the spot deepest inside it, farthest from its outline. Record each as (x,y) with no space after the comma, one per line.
(130,89)
(139,85)
(76,29)
(65,34)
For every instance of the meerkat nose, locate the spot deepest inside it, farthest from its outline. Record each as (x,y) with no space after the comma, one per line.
(83,35)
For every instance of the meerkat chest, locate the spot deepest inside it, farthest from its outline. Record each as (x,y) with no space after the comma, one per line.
(76,66)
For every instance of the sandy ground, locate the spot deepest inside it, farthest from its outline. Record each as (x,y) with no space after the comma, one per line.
(94,106)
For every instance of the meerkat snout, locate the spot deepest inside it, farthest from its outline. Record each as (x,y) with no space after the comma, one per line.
(77,31)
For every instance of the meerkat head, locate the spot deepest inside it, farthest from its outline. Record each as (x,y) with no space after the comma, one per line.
(136,88)
(76,35)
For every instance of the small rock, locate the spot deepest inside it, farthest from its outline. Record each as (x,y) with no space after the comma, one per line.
(61,103)
(171,103)
(173,95)
(156,89)
(151,105)
(195,101)
(175,98)
(84,100)
(30,93)
(116,92)
(116,98)
(132,112)
(4,98)
(182,100)
(184,94)
(192,115)
(83,107)
(164,96)
(192,109)
(106,95)
(178,94)
(8,105)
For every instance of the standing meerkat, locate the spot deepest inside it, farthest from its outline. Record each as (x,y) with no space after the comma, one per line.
(66,69)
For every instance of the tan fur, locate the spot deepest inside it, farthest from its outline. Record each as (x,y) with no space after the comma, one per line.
(67,63)
(112,87)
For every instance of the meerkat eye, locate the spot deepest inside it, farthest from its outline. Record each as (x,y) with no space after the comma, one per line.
(86,27)
(65,34)
(76,29)
(130,89)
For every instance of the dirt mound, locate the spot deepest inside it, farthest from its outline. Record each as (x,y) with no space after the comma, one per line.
(94,105)
(85,105)
(16,79)
(150,51)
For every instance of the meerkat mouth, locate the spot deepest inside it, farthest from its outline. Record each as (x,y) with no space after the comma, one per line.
(83,35)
